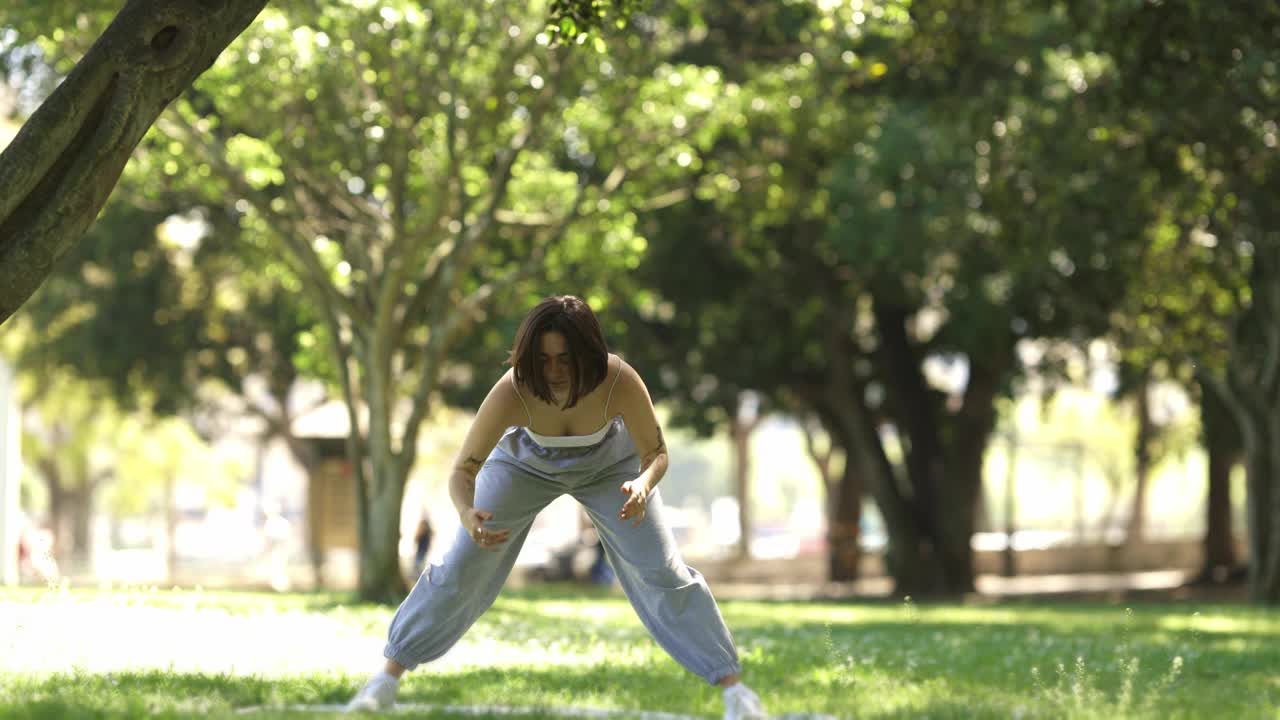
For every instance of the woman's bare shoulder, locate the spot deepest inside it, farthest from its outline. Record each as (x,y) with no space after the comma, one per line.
(503,400)
(625,377)
(619,369)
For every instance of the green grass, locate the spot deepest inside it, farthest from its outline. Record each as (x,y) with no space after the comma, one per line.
(124,654)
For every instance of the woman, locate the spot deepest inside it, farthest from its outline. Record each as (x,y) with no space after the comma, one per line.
(538,435)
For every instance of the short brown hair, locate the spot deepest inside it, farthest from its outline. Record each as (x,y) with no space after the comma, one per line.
(588,353)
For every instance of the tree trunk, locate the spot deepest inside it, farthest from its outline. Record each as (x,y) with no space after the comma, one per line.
(914,408)
(844,494)
(741,439)
(957,515)
(911,562)
(912,556)
(938,561)
(741,428)
(58,171)
(1252,390)
(913,571)
(381,577)
(1136,530)
(844,518)
(1262,463)
(1222,443)
(58,524)
(70,517)
(81,518)
(943,463)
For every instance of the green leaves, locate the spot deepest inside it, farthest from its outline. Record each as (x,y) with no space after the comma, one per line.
(577,21)
(256,158)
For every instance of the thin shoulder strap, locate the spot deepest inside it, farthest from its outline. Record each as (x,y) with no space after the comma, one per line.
(611,387)
(522,402)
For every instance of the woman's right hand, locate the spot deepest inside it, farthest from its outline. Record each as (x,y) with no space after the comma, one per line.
(473,520)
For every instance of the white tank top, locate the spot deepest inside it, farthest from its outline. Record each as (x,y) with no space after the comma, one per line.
(569,440)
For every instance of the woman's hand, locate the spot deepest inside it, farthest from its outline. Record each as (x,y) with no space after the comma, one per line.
(637,492)
(473,520)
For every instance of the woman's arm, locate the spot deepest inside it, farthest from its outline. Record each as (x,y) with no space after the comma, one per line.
(496,414)
(636,406)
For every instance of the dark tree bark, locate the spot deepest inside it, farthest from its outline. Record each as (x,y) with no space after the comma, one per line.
(844,518)
(929,511)
(843,490)
(63,164)
(1261,426)
(1222,443)
(1136,530)
(1251,388)
(944,450)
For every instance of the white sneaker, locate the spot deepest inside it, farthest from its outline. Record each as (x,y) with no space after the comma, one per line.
(741,703)
(379,693)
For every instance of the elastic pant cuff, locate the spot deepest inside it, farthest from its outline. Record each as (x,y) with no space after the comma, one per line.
(391,652)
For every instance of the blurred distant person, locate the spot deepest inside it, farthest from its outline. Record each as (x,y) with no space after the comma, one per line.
(421,544)
(564,382)
(25,566)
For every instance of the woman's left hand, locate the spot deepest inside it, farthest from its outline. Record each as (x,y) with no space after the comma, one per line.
(637,492)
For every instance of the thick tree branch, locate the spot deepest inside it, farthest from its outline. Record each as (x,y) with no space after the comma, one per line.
(58,171)
(821,459)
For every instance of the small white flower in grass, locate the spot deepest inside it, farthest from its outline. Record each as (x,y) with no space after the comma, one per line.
(1078,681)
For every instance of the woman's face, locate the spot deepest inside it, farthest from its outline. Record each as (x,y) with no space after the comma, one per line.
(553,354)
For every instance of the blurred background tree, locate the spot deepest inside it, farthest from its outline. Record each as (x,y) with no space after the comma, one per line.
(892,220)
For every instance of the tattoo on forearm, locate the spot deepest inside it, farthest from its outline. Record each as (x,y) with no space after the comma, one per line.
(653,454)
(471,464)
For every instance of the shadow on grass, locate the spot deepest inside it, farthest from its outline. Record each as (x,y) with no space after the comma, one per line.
(183,695)
(939,670)
(944,661)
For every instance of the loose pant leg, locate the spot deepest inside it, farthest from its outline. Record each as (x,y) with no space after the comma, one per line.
(451,596)
(673,600)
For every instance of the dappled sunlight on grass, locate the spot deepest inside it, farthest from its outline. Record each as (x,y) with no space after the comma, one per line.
(1238,622)
(182,631)
(610,610)
(140,651)
(768,614)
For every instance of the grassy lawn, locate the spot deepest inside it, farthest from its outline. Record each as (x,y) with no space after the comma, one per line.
(122,654)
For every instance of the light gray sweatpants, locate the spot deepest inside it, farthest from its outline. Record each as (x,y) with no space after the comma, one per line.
(521,478)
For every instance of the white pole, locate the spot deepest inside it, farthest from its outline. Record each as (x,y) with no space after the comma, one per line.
(10,476)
